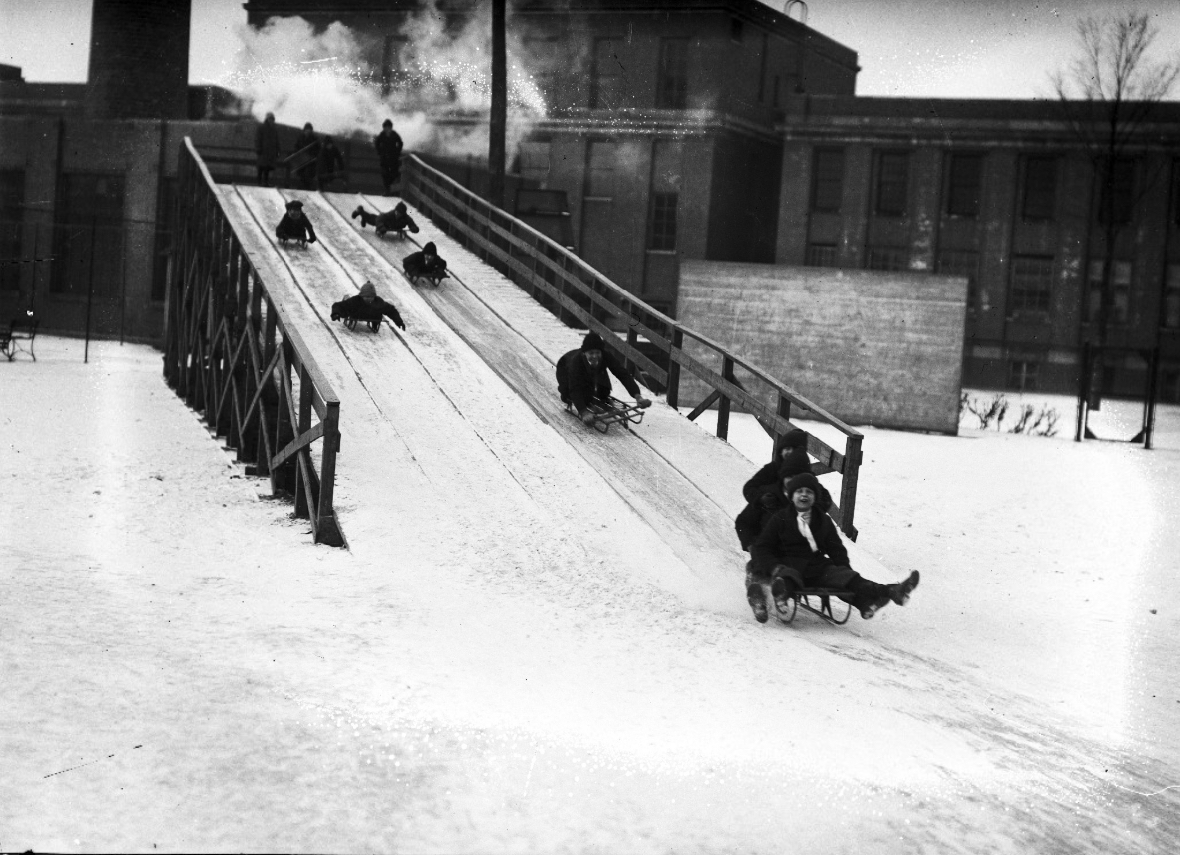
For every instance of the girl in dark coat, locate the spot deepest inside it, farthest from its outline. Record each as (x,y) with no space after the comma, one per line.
(266,144)
(294,225)
(799,547)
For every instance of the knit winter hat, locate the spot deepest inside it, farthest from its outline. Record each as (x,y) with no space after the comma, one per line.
(593,341)
(294,205)
(430,248)
(805,479)
(367,290)
(795,438)
(400,206)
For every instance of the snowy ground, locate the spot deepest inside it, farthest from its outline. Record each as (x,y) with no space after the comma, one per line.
(511,665)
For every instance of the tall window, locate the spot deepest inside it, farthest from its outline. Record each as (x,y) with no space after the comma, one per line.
(1171,308)
(661,233)
(1040,188)
(962,263)
(672,84)
(1120,292)
(88,238)
(893,178)
(1120,191)
(600,169)
(1031,284)
(827,180)
(667,162)
(12,196)
(607,86)
(963,180)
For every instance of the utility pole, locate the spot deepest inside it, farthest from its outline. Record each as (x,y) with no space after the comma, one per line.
(498,122)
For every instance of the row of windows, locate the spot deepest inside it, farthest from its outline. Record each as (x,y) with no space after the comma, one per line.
(608,75)
(86,242)
(963,184)
(1030,281)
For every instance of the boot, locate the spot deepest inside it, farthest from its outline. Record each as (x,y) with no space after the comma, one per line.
(756,597)
(900,592)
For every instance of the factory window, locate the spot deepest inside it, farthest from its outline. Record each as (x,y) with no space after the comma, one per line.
(827,180)
(672,85)
(963,180)
(88,235)
(893,178)
(12,196)
(1118,195)
(661,233)
(1120,292)
(607,86)
(1031,284)
(1040,188)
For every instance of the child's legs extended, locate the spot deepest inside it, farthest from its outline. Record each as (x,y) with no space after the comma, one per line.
(840,576)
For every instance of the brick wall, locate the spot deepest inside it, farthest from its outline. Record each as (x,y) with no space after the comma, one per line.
(882,349)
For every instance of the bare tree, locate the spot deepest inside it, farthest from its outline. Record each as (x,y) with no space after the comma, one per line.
(1108,93)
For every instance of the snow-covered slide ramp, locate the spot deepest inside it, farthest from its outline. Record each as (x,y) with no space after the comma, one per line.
(426,421)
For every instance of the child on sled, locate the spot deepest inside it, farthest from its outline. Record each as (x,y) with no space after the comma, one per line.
(397,221)
(799,548)
(295,225)
(367,306)
(582,379)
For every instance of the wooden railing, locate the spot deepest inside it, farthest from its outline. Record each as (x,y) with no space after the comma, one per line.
(233,356)
(581,296)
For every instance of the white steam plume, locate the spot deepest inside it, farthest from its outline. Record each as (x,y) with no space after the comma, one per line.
(441,85)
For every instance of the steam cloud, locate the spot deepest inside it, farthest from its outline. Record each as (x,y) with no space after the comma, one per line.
(328,79)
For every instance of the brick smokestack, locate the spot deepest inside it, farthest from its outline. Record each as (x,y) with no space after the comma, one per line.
(139,59)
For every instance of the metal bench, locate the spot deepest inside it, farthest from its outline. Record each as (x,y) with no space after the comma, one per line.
(19,336)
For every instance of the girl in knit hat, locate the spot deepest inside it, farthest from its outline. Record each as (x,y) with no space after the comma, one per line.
(799,547)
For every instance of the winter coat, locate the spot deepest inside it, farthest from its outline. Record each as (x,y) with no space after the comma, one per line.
(781,542)
(395,221)
(266,144)
(300,229)
(357,307)
(578,383)
(389,148)
(754,515)
(415,264)
(772,474)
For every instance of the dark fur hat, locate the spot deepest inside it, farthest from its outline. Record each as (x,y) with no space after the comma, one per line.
(294,205)
(805,479)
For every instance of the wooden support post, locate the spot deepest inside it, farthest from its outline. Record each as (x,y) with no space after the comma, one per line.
(673,395)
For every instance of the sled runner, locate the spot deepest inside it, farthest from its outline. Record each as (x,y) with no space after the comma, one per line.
(615,413)
(433,277)
(818,601)
(350,322)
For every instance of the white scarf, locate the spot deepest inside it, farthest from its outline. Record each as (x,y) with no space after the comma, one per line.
(805,529)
